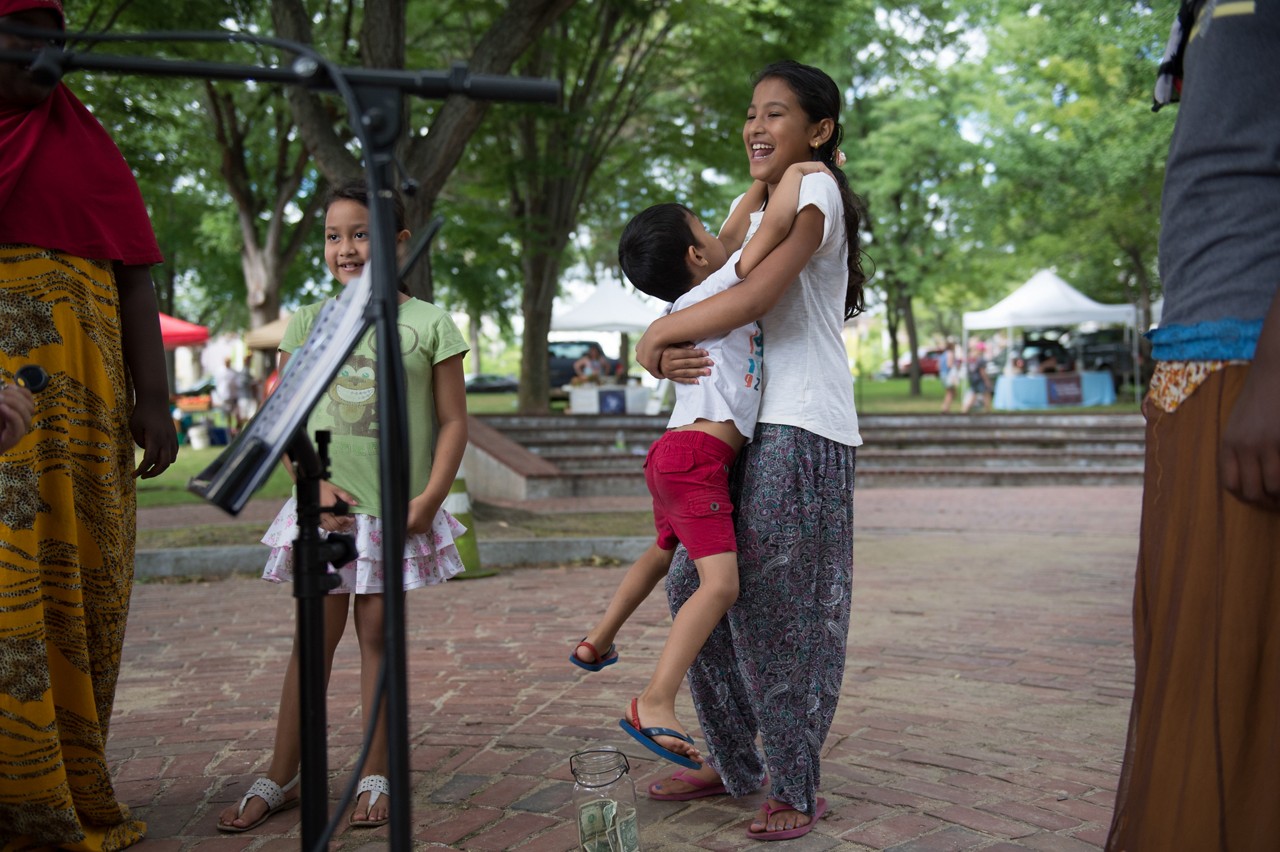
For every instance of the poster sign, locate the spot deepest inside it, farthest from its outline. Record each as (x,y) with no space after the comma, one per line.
(1064,389)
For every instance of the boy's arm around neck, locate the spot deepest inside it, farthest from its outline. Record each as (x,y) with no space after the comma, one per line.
(778,216)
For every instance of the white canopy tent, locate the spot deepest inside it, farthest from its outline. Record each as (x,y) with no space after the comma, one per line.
(610,308)
(1047,300)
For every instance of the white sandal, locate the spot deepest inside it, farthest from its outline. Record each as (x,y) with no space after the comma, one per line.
(376,786)
(269,792)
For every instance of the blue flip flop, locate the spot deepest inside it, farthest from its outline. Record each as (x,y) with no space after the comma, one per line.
(610,657)
(645,736)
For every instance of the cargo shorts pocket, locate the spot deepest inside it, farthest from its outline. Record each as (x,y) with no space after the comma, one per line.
(671,460)
(708,504)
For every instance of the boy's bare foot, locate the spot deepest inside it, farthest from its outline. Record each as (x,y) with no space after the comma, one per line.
(587,655)
(648,714)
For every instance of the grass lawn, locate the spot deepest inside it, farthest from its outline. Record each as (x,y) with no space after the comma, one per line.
(170,487)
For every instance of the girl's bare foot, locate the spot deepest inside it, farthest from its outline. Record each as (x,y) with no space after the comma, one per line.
(381,809)
(677,786)
(784,818)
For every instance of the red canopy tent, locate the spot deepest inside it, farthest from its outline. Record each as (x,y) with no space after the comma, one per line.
(175,332)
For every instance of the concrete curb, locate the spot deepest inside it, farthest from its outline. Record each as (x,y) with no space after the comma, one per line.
(217,562)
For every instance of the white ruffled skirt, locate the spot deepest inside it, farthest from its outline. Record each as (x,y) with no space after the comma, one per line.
(429,558)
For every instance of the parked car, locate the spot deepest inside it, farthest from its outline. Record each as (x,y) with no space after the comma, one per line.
(562,355)
(929,362)
(490,383)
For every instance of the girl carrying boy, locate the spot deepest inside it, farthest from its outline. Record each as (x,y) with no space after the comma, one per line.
(774,665)
(666,252)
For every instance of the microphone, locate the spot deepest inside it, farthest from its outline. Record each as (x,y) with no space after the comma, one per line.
(47,68)
(32,377)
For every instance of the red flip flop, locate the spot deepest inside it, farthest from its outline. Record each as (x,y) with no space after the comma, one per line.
(701,790)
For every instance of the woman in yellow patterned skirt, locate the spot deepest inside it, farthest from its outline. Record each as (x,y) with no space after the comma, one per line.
(75,298)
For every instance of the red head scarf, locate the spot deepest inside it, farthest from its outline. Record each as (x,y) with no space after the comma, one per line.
(63,183)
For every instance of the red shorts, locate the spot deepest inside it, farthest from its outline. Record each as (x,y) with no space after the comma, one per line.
(688,476)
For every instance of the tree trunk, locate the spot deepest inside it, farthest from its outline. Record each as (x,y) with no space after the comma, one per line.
(541,279)
(913,340)
(473,337)
(624,354)
(429,159)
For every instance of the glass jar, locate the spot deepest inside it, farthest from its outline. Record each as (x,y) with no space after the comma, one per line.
(605,799)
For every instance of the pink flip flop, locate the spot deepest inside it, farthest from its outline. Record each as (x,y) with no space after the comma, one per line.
(701,790)
(791,833)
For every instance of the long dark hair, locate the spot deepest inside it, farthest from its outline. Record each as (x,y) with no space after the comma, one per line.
(819,97)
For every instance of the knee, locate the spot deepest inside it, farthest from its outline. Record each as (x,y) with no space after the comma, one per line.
(722,589)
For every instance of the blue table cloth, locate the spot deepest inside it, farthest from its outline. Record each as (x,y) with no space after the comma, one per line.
(1015,393)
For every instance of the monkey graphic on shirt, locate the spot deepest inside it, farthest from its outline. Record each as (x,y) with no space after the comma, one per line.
(353,398)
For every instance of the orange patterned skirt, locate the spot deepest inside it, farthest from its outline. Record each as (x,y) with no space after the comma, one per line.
(67,515)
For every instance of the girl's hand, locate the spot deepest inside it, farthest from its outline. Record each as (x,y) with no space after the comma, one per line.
(421,515)
(330,494)
(683,363)
(648,353)
(651,353)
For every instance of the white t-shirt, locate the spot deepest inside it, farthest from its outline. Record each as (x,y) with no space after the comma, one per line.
(732,391)
(809,383)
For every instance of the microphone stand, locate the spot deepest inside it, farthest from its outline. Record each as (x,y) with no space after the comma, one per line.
(312,582)
(373,97)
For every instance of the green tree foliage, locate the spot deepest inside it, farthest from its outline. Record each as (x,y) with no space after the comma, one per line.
(487,36)
(989,138)
(232,191)
(654,95)
(1063,102)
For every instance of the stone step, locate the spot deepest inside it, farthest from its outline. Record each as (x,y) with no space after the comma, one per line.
(610,484)
(881,459)
(606,431)
(560,422)
(601,455)
(1101,447)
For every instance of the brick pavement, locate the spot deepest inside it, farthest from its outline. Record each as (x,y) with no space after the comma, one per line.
(984,702)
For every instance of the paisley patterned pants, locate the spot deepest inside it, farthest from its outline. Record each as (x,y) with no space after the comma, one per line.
(774,665)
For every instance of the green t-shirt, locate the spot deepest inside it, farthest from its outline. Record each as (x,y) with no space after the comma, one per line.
(349,408)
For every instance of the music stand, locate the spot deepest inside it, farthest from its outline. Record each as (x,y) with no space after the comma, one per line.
(230,480)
